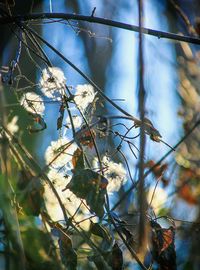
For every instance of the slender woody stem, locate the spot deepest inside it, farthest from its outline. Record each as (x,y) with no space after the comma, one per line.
(142,229)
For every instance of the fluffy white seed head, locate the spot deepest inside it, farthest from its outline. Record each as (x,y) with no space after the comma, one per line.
(156,197)
(84,96)
(33,103)
(77,121)
(59,152)
(69,199)
(114,172)
(52,82)
(12,125)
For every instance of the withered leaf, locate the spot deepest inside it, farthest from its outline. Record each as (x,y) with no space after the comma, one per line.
(163,248)
(117,258)
(39,124)
(186,193)
(86,184)
(122,227)
(78,160)
(101,231)
(113,259)
(158,170)
(67,253)
(60,118)
(85,137)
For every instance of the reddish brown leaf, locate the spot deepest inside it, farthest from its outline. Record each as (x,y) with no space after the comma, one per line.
(39,124)
(188,195)
(158,171)
(76,157)
(60,118)
(163,248)
(117,258)
(168,238)
(188,173)
(86,138)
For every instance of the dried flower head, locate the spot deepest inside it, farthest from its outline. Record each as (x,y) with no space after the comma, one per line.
(57,178)
(52,82)
(77,121)
(114,172)
(84,96)
(69,199)
(60,152)
(33,103)
(12,125)
(156,197)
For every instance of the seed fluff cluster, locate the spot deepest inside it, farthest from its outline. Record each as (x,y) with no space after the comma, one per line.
(33,103)
(59,154)
(114,172)
(53,82)
(84,96)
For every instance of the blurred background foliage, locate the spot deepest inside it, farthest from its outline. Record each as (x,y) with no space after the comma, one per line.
(94,48)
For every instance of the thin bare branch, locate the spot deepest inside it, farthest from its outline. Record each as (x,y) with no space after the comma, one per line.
(133,186)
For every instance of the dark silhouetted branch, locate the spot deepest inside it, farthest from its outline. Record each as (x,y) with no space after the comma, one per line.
(92,19)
